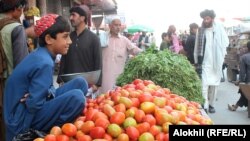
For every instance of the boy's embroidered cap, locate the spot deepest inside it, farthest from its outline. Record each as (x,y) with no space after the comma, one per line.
(44,23)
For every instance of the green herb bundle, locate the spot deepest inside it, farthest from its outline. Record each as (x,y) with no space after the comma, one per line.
(166,69)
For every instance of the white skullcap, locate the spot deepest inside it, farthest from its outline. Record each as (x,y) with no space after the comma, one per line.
(112,18)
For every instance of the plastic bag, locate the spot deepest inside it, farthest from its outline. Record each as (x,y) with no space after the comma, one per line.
(29,135)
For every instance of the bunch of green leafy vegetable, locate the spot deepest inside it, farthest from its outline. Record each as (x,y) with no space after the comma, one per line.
(166,69)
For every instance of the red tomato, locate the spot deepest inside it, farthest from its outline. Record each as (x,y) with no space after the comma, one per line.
(50,137)
(120,108)
(129,86)
(123,137)
(56,130)
(168,108)
(155,130)
(100,98)
(143,127)
(139,114)
(87,126)
(135,102)
(84,138)
(90,113)
(97,133)
(137,81)
(108,137)
(132,132)
(140,86)
(134,94)
(115,98)
(117,118)
(69,129)
(78,124)
(149,119)
(124,93)
(102,122)
(167,137)
(146,82)
(160,137)
(62,138)
(99,115)
(145,97)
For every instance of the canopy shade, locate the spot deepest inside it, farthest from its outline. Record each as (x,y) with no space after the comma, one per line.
(137,28)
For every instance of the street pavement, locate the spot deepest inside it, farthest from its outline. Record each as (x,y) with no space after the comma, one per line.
(228,94)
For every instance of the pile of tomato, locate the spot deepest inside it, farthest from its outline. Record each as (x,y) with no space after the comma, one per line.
(139,111)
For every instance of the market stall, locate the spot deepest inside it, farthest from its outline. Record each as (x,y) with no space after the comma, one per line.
(140,109)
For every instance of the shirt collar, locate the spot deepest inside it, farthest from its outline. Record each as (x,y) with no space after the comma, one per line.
(119,35)
(85,29)
(46,50)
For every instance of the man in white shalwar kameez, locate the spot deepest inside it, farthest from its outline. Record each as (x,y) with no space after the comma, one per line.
(114,56)
(210,49)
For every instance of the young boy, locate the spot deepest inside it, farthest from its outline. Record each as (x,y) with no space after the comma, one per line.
(30,99)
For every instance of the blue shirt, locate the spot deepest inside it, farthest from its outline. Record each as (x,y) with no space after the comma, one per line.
(34,75)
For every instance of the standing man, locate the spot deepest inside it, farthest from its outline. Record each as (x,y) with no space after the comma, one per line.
(190,42)
(13,46)
(209,53)
(142,40)
(115,55)
(84,54)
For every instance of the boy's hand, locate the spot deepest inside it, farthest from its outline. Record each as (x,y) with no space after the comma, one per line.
(60,84)
(94,88)
(23,99)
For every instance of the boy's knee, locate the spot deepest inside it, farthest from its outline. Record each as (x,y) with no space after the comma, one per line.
(81,81)
(78,96)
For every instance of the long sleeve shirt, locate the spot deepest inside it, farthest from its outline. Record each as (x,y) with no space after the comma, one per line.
(244,68)
(84,54)
(34,75)
(189,47)
(114,58)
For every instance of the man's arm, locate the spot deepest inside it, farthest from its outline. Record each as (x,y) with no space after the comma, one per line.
(19,44)
(97,59)
(196,49)
(133,49)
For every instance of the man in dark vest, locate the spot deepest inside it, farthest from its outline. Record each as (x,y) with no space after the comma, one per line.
(13,46)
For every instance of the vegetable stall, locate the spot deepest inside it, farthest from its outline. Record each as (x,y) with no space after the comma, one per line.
(166,69)
(157,89)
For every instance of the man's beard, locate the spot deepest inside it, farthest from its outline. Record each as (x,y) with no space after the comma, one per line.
(72,24)
(207,25)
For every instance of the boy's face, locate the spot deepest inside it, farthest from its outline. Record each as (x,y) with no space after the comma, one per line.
(60,45)
(166,38)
